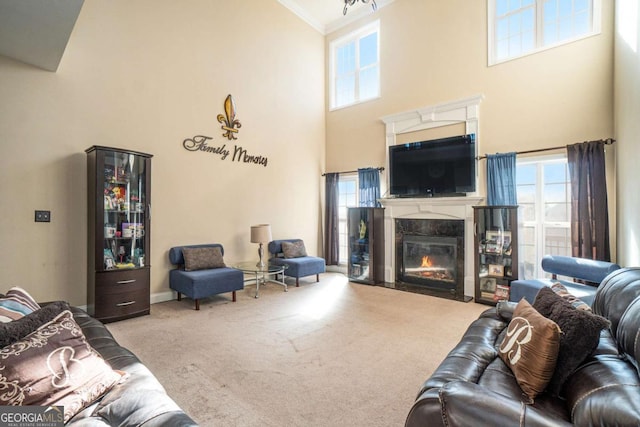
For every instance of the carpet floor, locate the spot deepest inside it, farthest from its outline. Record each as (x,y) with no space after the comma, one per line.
(332,353)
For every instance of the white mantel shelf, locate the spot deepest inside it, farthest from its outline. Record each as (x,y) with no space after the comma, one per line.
(460,208)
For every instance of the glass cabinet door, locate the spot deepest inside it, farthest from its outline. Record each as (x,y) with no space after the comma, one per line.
(125,211)
(496,249)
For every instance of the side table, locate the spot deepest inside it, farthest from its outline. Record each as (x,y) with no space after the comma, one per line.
(262,274)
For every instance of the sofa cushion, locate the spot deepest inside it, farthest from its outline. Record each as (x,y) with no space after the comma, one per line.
(11,332)
(580,333)
(530,348)
(202,258)
(54,365)
(15,304)
(294,249)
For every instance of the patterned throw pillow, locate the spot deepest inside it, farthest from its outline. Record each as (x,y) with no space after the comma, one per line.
(559,289)
(54,365)
(580,333)
(11,332)
(202,258)
(15,304)
(294,249)
(530,348)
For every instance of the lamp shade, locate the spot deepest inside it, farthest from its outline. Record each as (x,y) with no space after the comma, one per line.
(261,233)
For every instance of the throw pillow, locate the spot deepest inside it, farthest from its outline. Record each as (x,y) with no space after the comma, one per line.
(530,348)
(11,332)
(54,365)
(294,249)
(560,289)
(202,258)
(16,304)
(580,333)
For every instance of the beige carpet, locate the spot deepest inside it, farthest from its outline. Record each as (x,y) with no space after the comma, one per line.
(331,353)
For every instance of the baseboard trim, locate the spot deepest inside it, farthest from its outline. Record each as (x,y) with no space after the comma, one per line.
(162,297)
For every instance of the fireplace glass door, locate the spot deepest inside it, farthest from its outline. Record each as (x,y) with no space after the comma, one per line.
(429,258)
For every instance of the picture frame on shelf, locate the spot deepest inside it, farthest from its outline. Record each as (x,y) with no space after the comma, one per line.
(488,284)
(501,293)
(493,242)
(507,271)
(496,270)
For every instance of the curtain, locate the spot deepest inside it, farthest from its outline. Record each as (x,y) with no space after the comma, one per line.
(589,210)
(369,184)
(501,179)
(331,238)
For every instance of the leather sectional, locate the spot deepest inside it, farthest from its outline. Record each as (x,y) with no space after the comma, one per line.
(474,387)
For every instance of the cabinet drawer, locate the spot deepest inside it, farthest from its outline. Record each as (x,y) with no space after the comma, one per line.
(121,281)
(121,294)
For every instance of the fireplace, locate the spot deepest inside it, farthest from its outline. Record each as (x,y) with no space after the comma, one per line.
(430,256)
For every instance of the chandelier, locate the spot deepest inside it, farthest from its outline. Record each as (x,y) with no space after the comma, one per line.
(348,3)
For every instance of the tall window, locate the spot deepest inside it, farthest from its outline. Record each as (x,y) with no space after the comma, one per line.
(521,27)
(355,67)
(544,197)
(347,197)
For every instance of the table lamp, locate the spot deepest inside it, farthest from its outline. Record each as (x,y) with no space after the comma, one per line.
(261,234)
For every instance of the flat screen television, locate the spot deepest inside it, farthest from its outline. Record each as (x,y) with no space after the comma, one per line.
(436,168)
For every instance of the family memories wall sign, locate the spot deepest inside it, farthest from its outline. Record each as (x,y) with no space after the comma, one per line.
(230,126)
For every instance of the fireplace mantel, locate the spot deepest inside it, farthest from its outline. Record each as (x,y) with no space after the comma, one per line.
(430,208)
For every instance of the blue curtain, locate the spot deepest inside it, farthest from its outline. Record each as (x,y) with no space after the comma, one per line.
(501,179)
(369,184)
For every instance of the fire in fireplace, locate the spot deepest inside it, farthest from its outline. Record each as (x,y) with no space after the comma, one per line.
(430,256)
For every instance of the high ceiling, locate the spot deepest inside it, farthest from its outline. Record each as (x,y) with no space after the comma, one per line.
(326,15)
(37,31)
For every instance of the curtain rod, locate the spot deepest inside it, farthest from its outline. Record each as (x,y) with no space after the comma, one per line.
(379,168)
(607,141)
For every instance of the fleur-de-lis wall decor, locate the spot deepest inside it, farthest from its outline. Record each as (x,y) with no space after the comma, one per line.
(229,123)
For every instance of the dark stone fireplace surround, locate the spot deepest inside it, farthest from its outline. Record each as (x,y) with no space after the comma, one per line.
(444,208)
(439,233)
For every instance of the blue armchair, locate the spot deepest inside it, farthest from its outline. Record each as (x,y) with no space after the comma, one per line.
(205,282)
(588,271)
(297,267)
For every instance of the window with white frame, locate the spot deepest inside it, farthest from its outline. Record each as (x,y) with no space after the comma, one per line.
(544,197)
(355,67)
(347,198)
(521,27)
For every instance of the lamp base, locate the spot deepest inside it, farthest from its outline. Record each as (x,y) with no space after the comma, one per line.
(261,264)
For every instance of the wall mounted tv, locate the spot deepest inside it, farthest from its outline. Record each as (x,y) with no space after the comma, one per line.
(436,168)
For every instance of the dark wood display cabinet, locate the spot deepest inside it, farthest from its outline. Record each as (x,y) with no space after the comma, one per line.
(119,234)
(365,233)
(496,252)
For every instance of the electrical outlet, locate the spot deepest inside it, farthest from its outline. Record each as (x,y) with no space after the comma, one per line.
(43,216)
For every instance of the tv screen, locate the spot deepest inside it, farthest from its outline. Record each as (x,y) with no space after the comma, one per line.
(436,168)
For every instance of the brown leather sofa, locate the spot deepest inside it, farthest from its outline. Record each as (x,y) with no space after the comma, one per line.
(473,387)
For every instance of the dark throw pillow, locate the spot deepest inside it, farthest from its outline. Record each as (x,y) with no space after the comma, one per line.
(580,333)
(530,349)
(54,365)
(294,249)
(13,331)
(202,258)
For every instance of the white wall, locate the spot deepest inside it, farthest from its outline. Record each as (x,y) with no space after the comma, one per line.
(627,129)
(145,75)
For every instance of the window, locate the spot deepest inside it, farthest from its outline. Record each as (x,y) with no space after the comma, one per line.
(544,196)
(522,27)
(355,67)
(347,197)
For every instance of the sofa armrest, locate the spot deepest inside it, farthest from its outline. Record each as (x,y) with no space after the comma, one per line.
(578,268)
(505,309)
(467,404)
